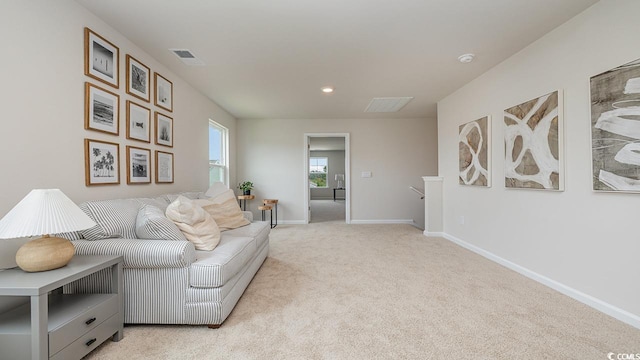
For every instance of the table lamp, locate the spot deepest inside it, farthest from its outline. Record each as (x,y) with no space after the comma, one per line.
(44,212)
(340,178)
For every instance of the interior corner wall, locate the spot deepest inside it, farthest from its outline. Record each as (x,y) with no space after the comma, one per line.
(398,152)
(335,159)
(585,240)
(42,126)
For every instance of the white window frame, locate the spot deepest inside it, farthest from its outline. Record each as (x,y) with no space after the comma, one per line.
(224,151)
(326,172)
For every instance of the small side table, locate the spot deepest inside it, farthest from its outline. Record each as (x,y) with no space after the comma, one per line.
(61,326)
(264,208)
(242,201)
(334,192)
(274,203)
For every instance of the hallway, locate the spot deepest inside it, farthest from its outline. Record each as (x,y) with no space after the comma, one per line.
(327,210)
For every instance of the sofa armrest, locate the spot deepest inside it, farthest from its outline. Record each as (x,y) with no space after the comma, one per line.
(141,253)
(248,215)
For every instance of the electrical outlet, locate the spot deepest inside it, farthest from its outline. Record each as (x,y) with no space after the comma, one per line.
(461,220)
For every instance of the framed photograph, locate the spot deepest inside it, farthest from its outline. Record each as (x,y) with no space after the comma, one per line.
(101,59)
(164,167)
(164,92)
(138,77)
(102,165)
(138,165)
(138,122)
(101,110)
(164,130)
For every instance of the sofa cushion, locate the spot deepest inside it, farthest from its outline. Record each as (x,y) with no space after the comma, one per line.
(195,223)
(151,223)
(159,202)
(215,268)
(114,218)
(258,230)
(188,194)
(224,209)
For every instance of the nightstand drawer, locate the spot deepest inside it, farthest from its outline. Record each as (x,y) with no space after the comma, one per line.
(85,313)
(89,341)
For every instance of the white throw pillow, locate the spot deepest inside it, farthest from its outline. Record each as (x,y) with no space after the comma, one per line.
(151,223)
(195,223)
(225,210)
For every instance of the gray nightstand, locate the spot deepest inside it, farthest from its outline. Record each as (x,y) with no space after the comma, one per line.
(72,324)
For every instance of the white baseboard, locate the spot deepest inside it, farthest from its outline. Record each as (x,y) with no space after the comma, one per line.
(620,314)
(433,234)
(395,221)
(291,222)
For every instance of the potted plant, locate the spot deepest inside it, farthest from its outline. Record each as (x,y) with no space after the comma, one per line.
(246,187)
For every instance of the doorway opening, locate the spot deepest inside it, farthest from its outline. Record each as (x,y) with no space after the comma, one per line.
(327,178)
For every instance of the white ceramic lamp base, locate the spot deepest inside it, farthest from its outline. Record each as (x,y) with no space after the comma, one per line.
(46,253)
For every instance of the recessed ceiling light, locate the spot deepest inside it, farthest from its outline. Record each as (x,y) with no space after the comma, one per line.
(327,89)
(466,58)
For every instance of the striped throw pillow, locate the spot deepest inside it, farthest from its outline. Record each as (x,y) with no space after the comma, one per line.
(115,219)
(152,224)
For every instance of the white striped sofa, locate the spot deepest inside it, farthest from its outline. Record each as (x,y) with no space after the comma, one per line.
(168,281)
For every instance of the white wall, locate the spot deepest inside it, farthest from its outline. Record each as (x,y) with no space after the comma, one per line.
(42,123)
(335,166)
(397,152)
(586,241)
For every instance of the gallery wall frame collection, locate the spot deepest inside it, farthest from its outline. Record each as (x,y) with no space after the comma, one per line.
(533,135)
(534,138)
(102,114)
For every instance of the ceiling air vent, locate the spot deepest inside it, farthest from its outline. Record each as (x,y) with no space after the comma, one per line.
(187,57)
(387,104)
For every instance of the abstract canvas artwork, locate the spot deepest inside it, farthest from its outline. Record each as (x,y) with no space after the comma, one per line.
(474,152)
(615,129)
(533,144)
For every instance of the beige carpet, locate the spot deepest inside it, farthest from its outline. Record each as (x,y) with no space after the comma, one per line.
(327,210)
(336,291)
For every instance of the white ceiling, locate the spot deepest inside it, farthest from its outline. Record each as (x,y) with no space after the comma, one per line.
(269,59)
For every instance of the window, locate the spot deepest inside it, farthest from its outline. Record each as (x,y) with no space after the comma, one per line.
(218,151)
(318,172)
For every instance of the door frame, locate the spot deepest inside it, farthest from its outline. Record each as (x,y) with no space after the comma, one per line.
(347,173)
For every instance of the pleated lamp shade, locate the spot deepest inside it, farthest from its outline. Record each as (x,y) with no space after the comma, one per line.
(42,212)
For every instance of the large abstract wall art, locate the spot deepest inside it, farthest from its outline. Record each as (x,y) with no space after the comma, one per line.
(533,144)
(474,152)
(615,129)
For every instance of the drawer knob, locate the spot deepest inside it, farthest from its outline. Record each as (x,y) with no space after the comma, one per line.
(88,343)
(90,321)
